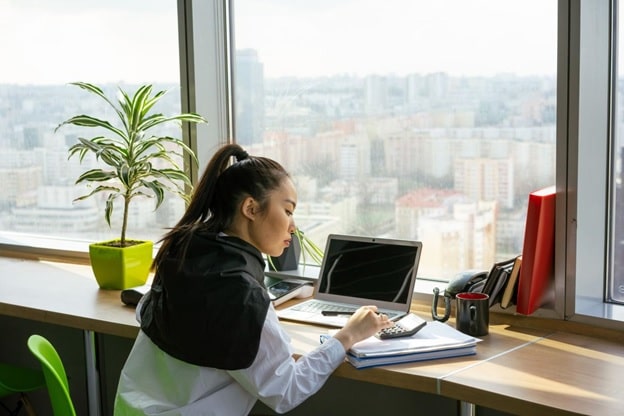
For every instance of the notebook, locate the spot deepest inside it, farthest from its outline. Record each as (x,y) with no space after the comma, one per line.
(360,271)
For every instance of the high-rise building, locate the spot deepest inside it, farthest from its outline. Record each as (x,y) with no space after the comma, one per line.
(458,233)
(484,179)
(249,97)
(376,94)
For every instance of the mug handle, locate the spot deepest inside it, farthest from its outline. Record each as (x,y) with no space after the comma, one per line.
(434,306)
(473,313)
(473,318)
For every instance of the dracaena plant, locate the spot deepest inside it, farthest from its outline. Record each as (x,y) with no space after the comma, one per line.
(137,163)
(309,249)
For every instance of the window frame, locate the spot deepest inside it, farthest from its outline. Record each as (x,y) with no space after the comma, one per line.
(582,206)
(205,68)
(583,221)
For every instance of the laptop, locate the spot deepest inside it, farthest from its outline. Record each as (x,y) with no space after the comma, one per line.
(360,271)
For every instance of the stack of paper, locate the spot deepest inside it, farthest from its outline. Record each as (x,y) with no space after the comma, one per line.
(435,340)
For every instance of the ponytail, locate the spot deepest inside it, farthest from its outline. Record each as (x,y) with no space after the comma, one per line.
(221,189)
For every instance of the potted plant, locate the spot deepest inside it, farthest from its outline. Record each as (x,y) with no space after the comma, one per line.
(137,164)
(300,245)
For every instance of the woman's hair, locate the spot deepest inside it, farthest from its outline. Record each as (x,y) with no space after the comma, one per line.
(219,193)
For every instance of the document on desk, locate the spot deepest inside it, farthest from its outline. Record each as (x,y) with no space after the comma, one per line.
(434,341)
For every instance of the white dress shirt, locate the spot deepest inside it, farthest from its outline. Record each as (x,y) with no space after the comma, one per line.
(154,383)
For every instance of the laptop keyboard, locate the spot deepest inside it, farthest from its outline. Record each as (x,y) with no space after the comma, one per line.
(314,306)
(318,307)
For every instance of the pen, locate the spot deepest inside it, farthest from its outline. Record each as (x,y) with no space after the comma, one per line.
(337,313)
(342,313)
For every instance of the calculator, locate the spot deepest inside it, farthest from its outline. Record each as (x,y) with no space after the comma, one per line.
(404,327)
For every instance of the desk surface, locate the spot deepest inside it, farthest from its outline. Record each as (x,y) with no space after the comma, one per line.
(62,294)
(517,370)
(562,371)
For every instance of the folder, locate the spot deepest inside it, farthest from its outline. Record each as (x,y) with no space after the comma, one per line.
(435,354)
(435,340)
(538,251)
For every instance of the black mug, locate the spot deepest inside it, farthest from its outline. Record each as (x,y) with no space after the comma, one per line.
(473,313)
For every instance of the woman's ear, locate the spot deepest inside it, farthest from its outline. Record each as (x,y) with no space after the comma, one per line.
(249,208)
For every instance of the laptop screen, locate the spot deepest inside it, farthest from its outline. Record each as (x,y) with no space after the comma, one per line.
(371,268)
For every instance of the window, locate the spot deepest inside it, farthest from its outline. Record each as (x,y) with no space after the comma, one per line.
(454,103)
(416,119)
(616,287)
(591,178)
(53,43)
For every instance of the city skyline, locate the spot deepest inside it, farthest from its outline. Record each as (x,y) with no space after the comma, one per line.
(354,148)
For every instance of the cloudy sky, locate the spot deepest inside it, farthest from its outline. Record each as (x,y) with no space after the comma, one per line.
(400,36)
(56,41)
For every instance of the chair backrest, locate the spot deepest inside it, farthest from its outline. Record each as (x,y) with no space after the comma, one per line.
(15,379)
(54,373)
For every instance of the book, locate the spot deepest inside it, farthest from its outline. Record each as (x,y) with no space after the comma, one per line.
(509,294)
(434,341)
(501,283)
(367,362)
(538,251)
(497,279)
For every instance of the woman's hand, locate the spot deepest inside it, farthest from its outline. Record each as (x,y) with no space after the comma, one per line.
(364,323)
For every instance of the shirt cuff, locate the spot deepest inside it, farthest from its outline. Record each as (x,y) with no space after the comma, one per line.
(333,351)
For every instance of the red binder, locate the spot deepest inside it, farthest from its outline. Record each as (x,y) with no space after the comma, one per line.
(538,252)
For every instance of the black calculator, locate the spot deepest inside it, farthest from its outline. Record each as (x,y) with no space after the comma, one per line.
(404,327)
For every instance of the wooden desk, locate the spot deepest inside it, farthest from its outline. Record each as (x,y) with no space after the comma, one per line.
(68,295)
(558,374)
(424,376)
(62,294)
(516,369)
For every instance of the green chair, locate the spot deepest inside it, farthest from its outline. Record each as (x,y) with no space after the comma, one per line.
(54,373)
(18,380)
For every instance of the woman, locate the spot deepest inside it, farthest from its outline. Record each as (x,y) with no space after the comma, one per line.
(210,341)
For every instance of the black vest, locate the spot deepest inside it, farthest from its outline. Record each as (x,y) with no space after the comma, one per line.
(209,308)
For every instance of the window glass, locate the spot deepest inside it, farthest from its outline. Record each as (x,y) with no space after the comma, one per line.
(404,119)
(616,286)
(110,43)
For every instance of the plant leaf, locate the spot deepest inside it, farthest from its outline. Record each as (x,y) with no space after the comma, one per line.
(96,175)
(137,160)
(100,188)
(157,189)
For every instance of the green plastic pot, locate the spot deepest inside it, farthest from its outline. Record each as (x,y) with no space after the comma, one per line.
(121,267)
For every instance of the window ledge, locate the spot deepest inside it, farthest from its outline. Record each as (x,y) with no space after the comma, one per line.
(39,247)
(597,308)
(594,312)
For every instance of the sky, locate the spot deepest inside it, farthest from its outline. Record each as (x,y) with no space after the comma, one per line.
(461,37)
(58,41)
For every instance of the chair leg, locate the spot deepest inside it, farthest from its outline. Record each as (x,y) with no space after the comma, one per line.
(22,403)
(15,411)
(4,406)
(28,407)
(19,406)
